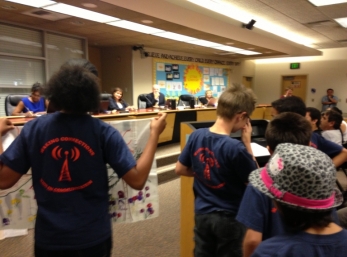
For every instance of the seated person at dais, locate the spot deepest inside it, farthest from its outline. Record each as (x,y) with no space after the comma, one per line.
(116,102)
(33,104)
(211,101)
(155,98)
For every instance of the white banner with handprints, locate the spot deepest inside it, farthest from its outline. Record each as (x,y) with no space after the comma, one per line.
(18,205)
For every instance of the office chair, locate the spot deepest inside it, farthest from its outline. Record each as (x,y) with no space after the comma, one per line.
(142,101)
(11,101)
(202,99)
(104,102)
(184,100)
(105,96)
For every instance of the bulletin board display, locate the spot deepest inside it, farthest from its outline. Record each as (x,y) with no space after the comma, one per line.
(179,77)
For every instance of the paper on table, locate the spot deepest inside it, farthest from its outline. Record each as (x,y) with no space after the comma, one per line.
(8,138)
(259,150)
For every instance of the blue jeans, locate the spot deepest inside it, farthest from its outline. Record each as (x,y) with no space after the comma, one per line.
(218,234)
(101,250)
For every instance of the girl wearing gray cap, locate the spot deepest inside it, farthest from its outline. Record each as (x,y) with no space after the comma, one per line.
(301,180)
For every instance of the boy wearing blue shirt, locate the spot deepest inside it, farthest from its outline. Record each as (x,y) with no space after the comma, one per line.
(220,166)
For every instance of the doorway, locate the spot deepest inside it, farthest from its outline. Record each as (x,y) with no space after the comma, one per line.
(297,83)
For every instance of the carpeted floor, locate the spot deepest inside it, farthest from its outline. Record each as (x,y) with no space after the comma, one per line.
(158,237)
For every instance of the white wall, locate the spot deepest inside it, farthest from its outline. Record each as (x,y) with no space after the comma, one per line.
(323,72)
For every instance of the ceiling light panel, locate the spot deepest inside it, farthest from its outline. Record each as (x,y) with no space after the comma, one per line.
(246,52)
(342,21)
(135,26)
(81,13)
(174,36)
(205,43)
(327,2)
(33,3)
(229,49)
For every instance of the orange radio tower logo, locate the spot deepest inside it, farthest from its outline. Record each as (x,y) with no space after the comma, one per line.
(74,154)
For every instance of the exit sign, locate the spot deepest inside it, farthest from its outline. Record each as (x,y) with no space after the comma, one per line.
(294,66)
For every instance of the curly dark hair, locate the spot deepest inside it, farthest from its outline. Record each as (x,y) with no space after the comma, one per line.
(36,87)
(74,89)
(81,63)
(288,127)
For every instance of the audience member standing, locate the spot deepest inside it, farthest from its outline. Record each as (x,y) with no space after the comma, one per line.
(220,166)
(329,100)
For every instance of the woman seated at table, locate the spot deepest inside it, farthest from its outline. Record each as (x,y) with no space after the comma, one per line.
(33,104)
(210,100)
(116,102)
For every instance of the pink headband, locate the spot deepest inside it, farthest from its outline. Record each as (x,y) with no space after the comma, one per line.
(293,199)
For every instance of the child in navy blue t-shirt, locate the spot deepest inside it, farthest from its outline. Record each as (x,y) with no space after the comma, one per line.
(220,166)
(67,152)
(301,181)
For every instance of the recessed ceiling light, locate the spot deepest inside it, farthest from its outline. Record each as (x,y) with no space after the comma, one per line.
(147,21)
(89,5)
(8,7)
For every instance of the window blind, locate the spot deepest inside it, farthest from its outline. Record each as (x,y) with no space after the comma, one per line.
(20,72)
(22,41)
(60,49)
